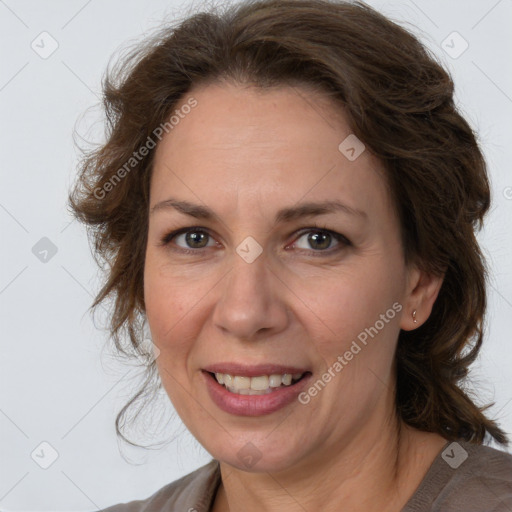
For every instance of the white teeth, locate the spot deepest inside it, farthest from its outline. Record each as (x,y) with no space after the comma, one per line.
(241,382)
(275,381)
(259,385)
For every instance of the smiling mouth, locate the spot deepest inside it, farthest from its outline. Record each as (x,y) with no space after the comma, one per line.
(259,385)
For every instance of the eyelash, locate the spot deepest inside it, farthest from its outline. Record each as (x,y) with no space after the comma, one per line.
(343,240)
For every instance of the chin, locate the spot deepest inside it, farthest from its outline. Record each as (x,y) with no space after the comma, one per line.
(255,455)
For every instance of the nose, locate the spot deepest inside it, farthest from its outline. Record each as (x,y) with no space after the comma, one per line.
(252,302)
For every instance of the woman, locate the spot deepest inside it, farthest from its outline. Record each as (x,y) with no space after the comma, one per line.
(319,377)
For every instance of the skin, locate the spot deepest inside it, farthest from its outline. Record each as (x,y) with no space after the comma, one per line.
(245,153)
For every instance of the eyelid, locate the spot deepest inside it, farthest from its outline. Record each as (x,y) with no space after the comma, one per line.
(335,234)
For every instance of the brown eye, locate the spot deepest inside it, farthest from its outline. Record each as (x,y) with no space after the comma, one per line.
(189,238)
(321,240)
(195,239)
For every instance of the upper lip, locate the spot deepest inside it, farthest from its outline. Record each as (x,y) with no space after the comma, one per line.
(253,370)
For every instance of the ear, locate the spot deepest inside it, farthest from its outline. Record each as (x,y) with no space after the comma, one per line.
(422,291)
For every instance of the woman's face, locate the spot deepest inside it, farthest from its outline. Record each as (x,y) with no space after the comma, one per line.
(256,285)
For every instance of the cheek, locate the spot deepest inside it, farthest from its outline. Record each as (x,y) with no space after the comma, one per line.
(166,311)
(168,302)
(360,312)
(355,341)
(348,302)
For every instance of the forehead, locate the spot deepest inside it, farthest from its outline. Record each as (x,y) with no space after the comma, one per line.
(273,145)
(266,117)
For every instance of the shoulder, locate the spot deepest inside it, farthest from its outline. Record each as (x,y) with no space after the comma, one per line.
(485,477)
(191,493)
(466,477)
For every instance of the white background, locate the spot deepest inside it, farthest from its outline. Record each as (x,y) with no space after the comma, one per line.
(56,385)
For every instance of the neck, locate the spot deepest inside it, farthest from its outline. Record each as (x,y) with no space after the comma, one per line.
(377,470)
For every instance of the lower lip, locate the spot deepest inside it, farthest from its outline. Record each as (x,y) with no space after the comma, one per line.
(253,405)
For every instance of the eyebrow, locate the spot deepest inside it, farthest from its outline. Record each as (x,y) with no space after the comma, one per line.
(287,214)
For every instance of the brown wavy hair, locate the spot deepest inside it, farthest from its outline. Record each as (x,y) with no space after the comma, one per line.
(397,99)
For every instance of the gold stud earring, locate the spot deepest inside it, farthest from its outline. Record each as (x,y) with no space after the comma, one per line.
(414,317)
